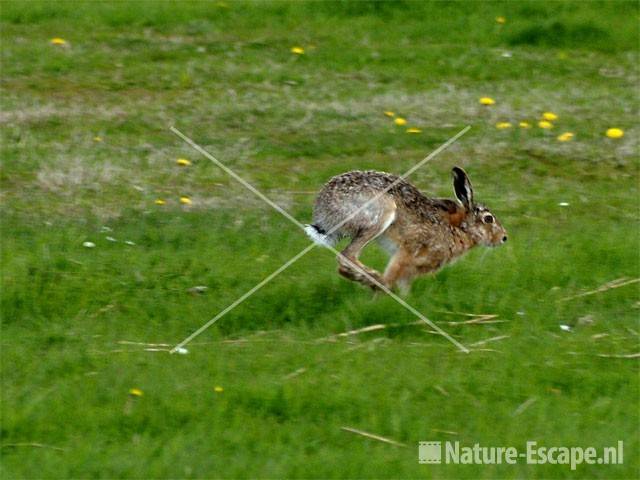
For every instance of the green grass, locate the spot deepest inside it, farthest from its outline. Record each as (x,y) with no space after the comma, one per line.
(223,73)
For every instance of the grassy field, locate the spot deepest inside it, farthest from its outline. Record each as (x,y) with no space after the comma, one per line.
(266,392)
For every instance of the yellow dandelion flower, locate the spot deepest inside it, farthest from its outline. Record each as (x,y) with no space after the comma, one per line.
(136,392)
(524,125)
(58,41)
(221,5)
(185,201)
(503,125)
(565,137)
(545,124)
(159,201)
(183,162)
(400,121)
(218,389)
(297,50)
(549,116)
(487,101)
(501,20)
(615,133)
(390,114)
(413,130)
(97,139)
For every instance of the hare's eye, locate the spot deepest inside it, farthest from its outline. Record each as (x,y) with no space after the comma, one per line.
(487,219)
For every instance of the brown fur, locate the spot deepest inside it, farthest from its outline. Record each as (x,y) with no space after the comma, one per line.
(423,233)
(456,218)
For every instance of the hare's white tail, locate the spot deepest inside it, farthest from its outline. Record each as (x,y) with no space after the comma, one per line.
(318,235)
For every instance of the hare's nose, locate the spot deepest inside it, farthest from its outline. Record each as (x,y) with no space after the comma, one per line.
(504,239)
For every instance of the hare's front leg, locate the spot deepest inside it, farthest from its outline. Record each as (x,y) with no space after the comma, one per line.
(400,271)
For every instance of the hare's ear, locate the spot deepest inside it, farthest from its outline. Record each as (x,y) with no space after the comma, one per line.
(462,187)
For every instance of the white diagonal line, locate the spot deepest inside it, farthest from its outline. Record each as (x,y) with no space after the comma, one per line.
(243,298)
(310,247)
(300,225)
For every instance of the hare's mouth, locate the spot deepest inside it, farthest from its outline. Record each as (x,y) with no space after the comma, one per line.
(496,243)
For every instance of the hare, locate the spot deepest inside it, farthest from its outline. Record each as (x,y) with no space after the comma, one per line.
(421,234)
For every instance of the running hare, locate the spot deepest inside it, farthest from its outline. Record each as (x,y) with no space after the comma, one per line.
(421,234)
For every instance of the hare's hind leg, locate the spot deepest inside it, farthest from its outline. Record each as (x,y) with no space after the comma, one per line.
(349,265)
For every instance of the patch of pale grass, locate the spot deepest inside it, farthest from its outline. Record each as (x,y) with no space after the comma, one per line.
(68,176)
(38,112)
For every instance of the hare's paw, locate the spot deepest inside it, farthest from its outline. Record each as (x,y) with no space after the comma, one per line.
(357,272)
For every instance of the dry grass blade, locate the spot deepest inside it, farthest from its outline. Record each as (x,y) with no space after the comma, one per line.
(448,432)
(291,375)
(130,350)
(126,342)
(465,314)
(488,340)
(484,319)
(373,436)
(620,355)
(32,444)
(441,390)
(490,350)
(523,406)
(620,282)
(372,328)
